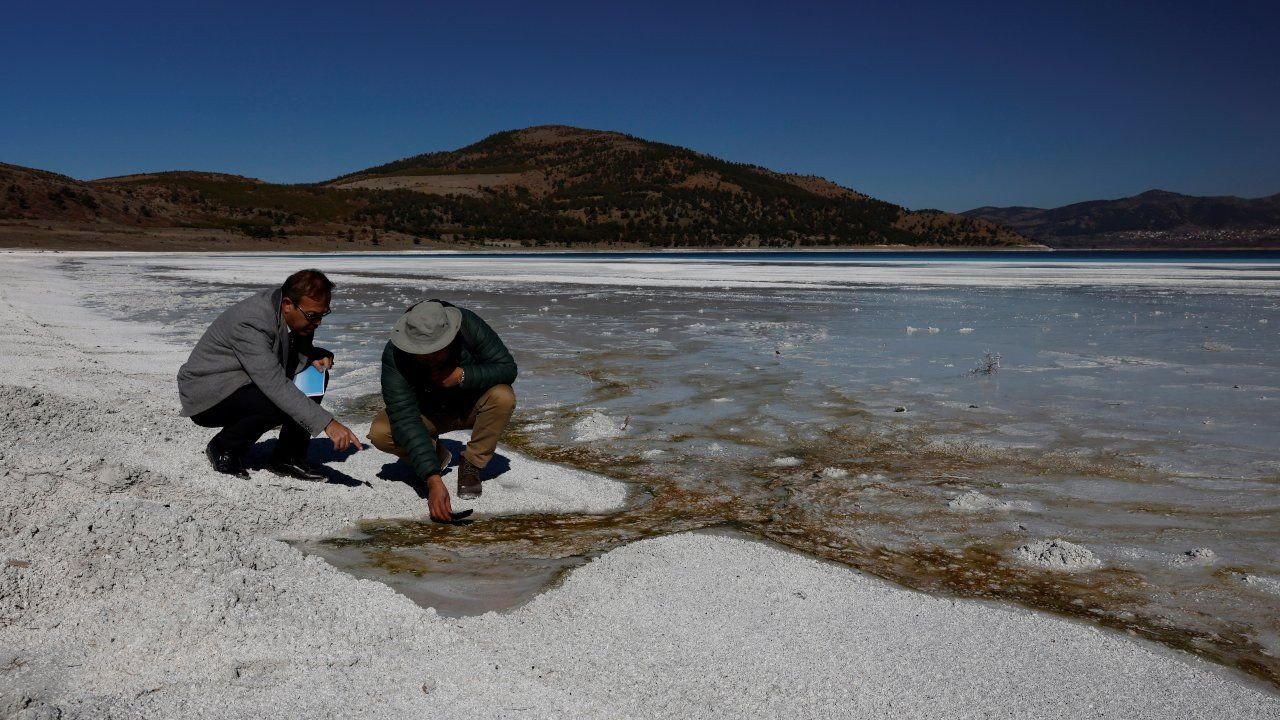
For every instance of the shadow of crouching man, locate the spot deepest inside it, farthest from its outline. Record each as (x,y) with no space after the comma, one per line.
(400,470)
(294,442)
(323,461)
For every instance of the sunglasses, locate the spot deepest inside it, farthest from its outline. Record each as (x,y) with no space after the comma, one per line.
(312,317)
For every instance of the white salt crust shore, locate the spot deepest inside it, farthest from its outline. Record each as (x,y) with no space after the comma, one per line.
(721,273)
(135,582)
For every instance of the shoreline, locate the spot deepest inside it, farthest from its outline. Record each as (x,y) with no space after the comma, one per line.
(62,236)
(202,604)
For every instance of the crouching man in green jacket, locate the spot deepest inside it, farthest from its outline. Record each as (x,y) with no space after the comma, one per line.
(444,369)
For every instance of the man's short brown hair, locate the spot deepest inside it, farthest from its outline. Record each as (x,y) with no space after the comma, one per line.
(307,283)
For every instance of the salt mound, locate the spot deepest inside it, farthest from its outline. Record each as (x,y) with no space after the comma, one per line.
(1197,556)
(537,427)
(786,461)
(596,426)
(1058,554)
(1265,584)
(834,473)
(973,500)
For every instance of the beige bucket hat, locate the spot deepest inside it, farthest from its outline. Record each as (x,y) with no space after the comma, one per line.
(426,328)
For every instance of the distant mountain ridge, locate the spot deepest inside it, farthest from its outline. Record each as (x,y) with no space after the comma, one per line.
(546,185)
(1150,219)
(553,157)
(607,185)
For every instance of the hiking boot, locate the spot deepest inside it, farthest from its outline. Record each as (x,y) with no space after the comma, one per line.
(296,469)
(468,479)
(225,461)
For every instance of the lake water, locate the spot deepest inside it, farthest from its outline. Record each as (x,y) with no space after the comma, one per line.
(921,416)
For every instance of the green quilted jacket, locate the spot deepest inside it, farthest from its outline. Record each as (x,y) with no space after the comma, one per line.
(408,392)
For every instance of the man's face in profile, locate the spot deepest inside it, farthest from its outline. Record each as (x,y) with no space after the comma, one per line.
(306,316)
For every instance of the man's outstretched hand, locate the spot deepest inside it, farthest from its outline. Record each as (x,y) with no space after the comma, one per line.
(438,500)
(342,437)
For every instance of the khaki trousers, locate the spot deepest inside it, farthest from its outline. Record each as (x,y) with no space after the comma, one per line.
(488,420)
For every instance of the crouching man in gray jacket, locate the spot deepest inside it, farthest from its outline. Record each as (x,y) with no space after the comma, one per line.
(239,378)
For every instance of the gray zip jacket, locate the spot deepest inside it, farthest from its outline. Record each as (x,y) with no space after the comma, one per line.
(248,343)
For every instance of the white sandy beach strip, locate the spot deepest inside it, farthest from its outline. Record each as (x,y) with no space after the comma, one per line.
(135,582)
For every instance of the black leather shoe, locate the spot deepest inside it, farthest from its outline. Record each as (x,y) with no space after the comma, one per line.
(225,462)
(297,469)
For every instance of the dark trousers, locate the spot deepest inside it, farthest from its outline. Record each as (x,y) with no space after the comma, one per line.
(244,416)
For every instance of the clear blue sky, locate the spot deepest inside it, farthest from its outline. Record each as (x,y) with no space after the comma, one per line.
(926,104)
